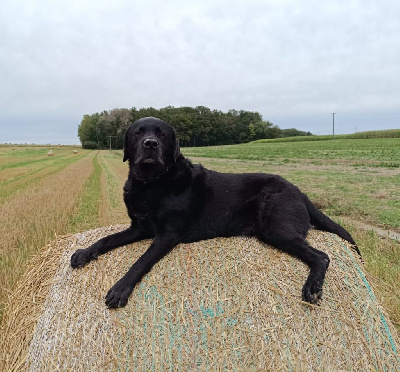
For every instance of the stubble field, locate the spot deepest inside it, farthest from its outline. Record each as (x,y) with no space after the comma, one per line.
(356,182)
(43,196)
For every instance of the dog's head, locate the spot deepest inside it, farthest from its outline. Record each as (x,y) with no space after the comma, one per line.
(151,147)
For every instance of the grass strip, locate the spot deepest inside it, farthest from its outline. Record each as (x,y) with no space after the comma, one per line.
(86,216)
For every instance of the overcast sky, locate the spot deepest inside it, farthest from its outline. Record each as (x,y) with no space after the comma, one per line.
(295,62)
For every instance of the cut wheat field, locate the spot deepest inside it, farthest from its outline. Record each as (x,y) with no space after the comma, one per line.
(352,181)
(43,196)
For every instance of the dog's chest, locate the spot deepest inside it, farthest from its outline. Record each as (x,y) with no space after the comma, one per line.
(154,206)
(144,203)
(141,205)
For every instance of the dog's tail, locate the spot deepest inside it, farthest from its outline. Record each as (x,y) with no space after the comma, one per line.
(323,222)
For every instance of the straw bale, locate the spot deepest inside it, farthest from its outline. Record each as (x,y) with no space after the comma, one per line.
(50,153)
(221,304)
(75,151)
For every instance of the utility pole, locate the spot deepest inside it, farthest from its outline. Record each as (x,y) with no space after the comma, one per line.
(333,124)
(110,140)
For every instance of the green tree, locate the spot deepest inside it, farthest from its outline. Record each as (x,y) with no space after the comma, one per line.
(195,126)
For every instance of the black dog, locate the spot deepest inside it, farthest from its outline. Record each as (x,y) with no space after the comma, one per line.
(173,201)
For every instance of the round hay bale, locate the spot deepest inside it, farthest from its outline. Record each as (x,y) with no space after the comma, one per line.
(50,153)
(75,151)
(222,304)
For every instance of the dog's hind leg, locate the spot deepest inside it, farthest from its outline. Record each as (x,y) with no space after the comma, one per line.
(317,261)
(283,222)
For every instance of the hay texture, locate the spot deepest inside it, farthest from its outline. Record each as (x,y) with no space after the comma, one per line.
(222,304)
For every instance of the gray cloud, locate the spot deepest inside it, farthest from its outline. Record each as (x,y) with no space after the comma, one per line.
(289,60)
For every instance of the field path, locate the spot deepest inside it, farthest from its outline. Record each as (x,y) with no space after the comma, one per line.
(381,232)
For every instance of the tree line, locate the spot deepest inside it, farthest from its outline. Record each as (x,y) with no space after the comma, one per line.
(198,126)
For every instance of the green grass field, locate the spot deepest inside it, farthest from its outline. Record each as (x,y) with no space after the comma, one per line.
(372,152)
(391,133)
(352,180)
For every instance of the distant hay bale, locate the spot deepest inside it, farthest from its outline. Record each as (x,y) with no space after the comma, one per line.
(222,304)
(50,153)
(75,151)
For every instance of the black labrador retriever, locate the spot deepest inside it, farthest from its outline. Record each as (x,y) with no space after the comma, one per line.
(173,201)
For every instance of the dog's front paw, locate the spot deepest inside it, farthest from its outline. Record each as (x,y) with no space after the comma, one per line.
(312,292)
(81,257)
(118,295)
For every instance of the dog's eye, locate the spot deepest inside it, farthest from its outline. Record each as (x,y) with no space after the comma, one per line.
(161,134)
(138,133)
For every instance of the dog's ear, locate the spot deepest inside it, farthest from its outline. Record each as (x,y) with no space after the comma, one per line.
(126,154)
(177,150)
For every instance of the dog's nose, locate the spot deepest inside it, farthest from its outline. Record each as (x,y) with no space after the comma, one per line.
(150,142)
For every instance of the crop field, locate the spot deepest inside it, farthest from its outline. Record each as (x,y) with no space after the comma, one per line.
(355,181)
(391,133)
(42,196)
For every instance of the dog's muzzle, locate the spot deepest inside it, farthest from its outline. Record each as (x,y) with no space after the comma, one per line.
(150,152)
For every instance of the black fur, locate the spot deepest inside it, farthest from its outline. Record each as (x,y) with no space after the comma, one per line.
(172,201)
